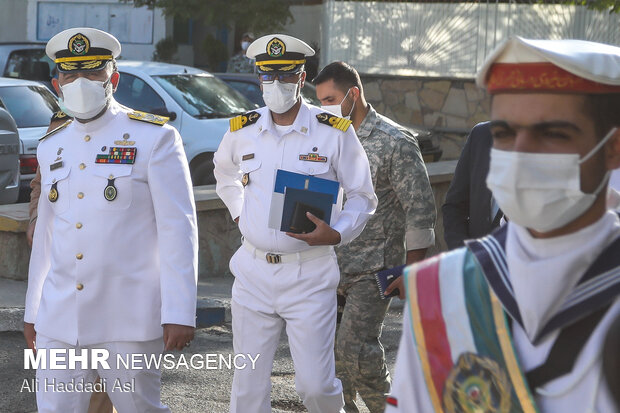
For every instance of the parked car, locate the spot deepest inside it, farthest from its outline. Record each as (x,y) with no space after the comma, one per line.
(26,61)
(9,159)
(249,85)
(31,105)
(198,104)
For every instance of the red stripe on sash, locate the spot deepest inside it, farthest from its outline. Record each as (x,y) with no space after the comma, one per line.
(433,325)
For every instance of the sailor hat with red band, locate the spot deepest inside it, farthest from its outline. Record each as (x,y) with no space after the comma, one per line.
(82,48)
(279,53)
(552,66)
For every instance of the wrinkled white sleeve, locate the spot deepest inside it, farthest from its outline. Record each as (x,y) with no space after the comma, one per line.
(353,174)
(228,176)
(177,230)
(39,258)
(408,387)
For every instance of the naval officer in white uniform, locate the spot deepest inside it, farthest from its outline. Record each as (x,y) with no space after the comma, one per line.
(287,280)
(114,259)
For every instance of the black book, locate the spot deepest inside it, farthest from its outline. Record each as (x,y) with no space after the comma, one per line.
(299,201)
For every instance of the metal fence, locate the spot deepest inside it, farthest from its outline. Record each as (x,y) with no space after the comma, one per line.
(447,39)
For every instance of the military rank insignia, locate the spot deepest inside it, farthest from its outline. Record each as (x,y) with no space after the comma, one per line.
(245,180)
(242,121)
(110,191)
(53,195)
(148,117)
(313,157)
(118,156)
(334,121)
(60,115)
(53,131)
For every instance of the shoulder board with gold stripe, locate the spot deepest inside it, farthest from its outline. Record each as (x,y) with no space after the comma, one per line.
(60,115)
(334,121)
(148,117)
(53,131)
(244,120)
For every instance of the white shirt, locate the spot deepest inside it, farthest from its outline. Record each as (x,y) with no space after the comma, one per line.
(260,149)
(546,278)
(113,270)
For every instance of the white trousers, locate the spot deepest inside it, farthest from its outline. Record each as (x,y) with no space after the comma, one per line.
(131,390)
(300,297)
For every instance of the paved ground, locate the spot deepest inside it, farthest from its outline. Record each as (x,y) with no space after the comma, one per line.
(186,391)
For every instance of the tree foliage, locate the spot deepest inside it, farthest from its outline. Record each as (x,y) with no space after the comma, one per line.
(259,16)
(612,6)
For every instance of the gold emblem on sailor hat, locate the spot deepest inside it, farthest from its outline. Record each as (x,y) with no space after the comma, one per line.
(79,44)
(245,180)
(276,48)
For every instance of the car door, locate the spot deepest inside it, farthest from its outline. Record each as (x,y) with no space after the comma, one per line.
(135,93)
(9,159)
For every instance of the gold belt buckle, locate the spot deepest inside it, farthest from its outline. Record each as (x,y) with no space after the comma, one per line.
(273,258)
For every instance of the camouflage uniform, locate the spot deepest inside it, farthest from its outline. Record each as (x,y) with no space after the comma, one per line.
(240,64)
(406,211)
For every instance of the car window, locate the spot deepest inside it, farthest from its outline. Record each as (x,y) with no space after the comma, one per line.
(204,96)
(136,94)
(248,89)
(31,64)
(30,106)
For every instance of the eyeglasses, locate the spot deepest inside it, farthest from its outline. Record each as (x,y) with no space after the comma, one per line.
(282,77)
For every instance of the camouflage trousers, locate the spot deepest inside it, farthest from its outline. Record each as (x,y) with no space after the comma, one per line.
(360,358)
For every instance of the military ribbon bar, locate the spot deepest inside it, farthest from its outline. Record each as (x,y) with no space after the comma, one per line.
(118,156)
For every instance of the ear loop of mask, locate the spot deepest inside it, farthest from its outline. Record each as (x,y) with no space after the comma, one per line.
(592,152)
(598,145)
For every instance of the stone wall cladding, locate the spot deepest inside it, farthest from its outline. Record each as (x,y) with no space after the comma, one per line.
(428,103)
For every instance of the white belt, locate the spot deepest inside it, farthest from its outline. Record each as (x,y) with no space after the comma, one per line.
(283,258)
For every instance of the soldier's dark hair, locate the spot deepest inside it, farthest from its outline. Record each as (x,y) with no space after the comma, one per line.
(343,75)
(603,109)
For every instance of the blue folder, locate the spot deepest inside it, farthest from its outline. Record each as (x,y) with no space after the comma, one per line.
(287,179)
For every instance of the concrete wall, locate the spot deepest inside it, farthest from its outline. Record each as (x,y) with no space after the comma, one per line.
(440,103)
(219,236)
(121,17)
(13,17)
(306,24)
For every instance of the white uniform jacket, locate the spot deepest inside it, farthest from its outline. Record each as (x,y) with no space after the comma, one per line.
(108,269)
(259,150)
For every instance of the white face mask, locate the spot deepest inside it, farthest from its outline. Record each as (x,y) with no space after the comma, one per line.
(245,45)
(541,191)
(84,98)
(337,109)
(280,97)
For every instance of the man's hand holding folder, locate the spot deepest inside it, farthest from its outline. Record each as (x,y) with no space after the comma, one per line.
(322,235)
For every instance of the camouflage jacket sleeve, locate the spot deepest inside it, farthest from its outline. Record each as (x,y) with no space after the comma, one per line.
(409,179)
